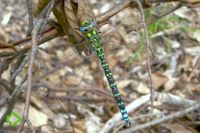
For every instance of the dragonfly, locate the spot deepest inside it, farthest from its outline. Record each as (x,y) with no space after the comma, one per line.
(92,35)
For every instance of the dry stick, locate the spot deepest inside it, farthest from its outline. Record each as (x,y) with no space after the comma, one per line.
(148,44)
(11,102)
(156,18)
(100,19)
(194,68)
(113,11)
(130,108)
(69,117)
(185,125)
(81,99)
(46,37)
(5,84)
(19,88)
(4,64)
(30,17)
(164,118)
(147,47)
(162,98)
(29,7)
(19,60)
(28,38)
(97,91)
(22,58)
(38,27)
(122,5)
(24,44)
(19,69)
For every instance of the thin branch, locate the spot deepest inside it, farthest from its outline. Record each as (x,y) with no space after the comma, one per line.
(130,108)
(30,16)
(156,18)
(69,117)
(19,59)
(4,65)
(164,119)
(162,98)
(38,27)
(20,68)
(113,11)
(11,102)
(5,84)
(58,32)
(148,48)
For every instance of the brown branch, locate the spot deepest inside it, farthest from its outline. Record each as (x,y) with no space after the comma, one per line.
(38,27)
(4,65)
(100,19)
(164,118)
(11,102)
(30,16)
(113,11)
(22,59)
(25,44)
(148,48)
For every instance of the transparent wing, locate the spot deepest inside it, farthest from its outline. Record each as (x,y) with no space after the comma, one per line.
(117,42)
(82,62)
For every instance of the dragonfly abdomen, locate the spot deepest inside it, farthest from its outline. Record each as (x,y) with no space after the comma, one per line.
(115,91)
(96,44)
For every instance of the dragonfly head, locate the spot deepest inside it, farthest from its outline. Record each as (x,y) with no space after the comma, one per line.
(87,26)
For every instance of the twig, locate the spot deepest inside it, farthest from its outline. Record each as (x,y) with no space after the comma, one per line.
(185,124)
(69,117)
(11,102)
(30,16)
(4,64)
(25,44)
(162,98)
(156,18)
(26,107)
(81,99)
(113,11)
(19,88)
(164,118)
(130,108)
(15,66)
(147,48)
(19,69)
(54,33)
(38,27)
(5,84)
(194,68)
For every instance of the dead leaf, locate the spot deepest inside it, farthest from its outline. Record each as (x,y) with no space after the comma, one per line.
(36,117)
(169,84)
(159,80)
(142,89)
(177,128)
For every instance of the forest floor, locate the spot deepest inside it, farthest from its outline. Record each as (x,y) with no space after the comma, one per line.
(71,93)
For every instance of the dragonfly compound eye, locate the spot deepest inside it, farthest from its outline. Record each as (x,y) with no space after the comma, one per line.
(84,29)
(91,24)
